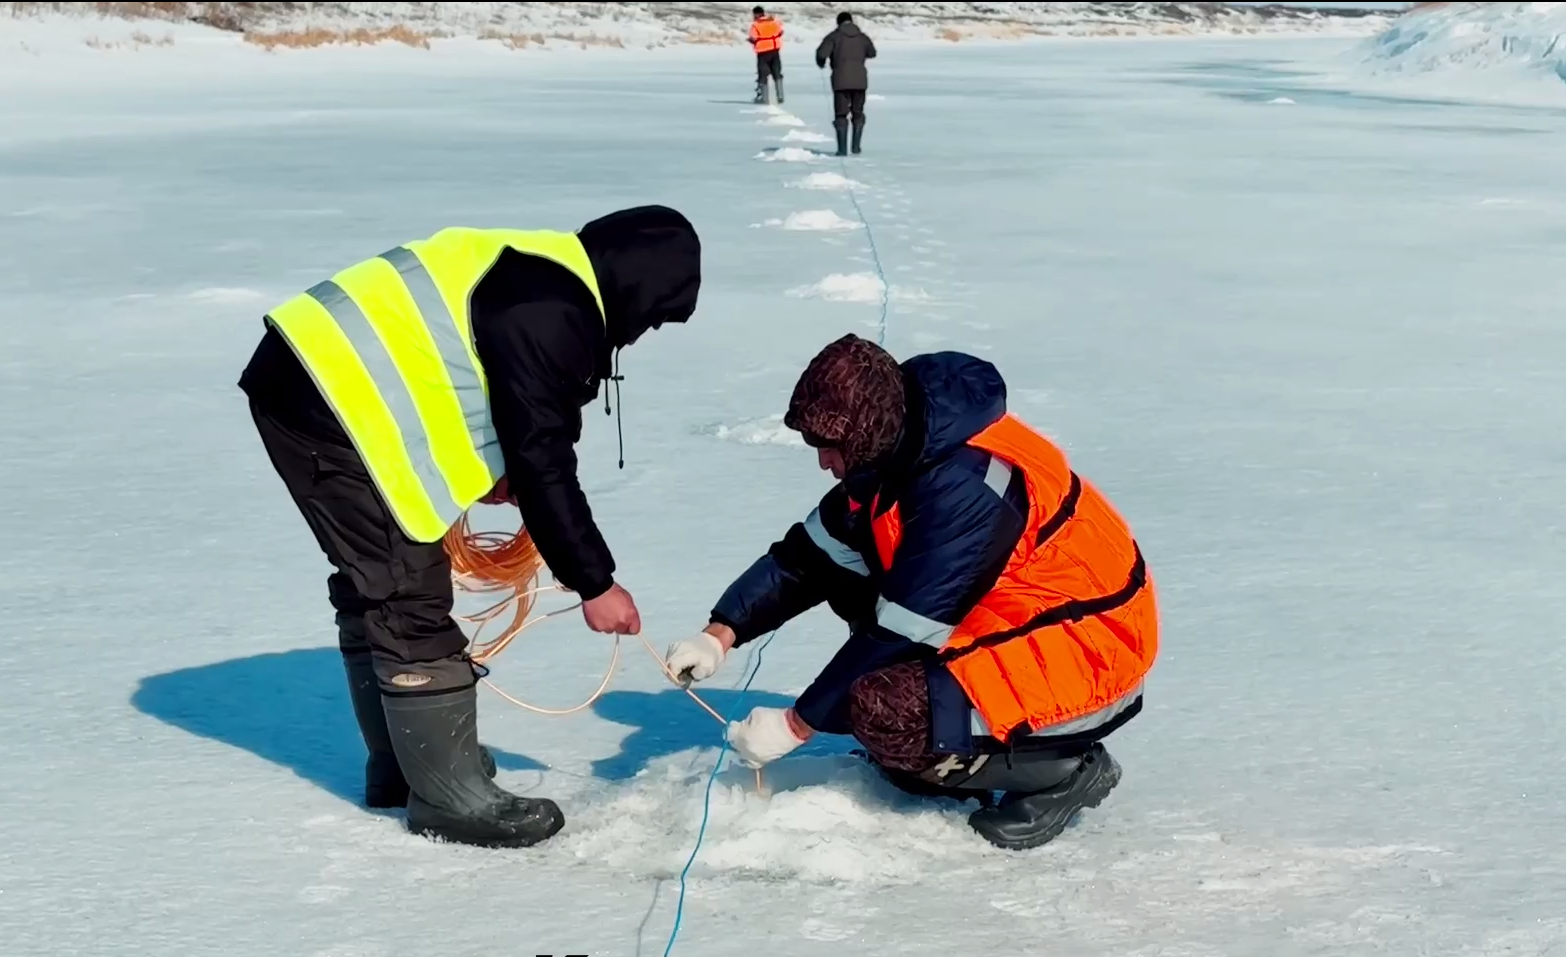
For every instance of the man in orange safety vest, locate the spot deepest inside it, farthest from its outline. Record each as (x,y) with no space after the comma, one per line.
(766,38)
(1001,617)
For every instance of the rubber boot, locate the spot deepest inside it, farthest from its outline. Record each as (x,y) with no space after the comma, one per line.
(435,738)
(384,785)
(859,132)
(842,136)
(761,91)
(777,81)
(1036,809)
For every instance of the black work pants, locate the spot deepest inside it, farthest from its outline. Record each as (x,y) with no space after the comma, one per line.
(393,595)
(846,102)
(769,64)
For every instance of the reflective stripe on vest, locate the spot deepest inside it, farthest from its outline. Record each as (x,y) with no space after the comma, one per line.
(389,343)
(1048,644)
(766,35)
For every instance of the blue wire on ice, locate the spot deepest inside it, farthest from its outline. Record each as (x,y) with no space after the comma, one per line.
(875,254)
(723,750)
(706,801)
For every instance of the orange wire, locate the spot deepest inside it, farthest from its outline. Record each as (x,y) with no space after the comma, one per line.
(495,564)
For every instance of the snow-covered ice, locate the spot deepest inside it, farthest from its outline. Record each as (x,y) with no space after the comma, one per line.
(843,287)
(819,221)
(765,430)
(788,154)
(1497,51)
(1314,367)
(830,181)
(781,119)
(804,136)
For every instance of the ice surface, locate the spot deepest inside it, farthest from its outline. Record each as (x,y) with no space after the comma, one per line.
(1314,367)
(226,295)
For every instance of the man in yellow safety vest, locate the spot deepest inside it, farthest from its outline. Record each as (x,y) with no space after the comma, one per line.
(397,394)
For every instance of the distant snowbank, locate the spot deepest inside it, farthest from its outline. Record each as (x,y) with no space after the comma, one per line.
(1483,49)
(279,27)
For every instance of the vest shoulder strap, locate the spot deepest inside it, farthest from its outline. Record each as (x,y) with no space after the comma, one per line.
(462,248)
(1049,475)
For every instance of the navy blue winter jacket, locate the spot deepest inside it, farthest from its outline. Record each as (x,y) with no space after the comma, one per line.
(962,513)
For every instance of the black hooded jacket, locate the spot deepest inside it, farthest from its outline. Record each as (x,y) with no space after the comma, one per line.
(545,352)
(847,48)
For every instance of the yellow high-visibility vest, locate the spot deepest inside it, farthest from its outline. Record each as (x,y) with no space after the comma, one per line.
(389,342)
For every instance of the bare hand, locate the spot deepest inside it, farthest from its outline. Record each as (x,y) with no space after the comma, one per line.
(613,613)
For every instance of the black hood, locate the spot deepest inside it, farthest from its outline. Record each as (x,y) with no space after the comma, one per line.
(849,29)
(648,264)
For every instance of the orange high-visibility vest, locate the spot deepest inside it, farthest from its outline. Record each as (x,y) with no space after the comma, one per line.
(766,35)
(1071,625)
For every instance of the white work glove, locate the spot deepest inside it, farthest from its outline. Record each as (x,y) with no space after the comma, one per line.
(763,737)
(694,659)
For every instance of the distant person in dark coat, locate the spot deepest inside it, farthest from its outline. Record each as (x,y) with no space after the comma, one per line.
(847,48)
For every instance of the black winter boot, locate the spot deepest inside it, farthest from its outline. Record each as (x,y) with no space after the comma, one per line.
(842,136)
(383,782)
(435,738)
(384,785)
(859,132)
(1035,809)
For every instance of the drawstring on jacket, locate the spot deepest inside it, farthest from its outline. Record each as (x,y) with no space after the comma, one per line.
(619,421)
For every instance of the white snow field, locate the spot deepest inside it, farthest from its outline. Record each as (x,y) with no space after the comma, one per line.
(1312,353)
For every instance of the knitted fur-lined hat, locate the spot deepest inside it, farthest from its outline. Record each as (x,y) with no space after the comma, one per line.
(850,398)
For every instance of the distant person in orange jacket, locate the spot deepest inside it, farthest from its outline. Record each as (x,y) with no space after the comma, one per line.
(766,38)
(1001,618)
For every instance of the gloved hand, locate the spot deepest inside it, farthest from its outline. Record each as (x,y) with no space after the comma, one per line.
(765,735)
(694,659)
